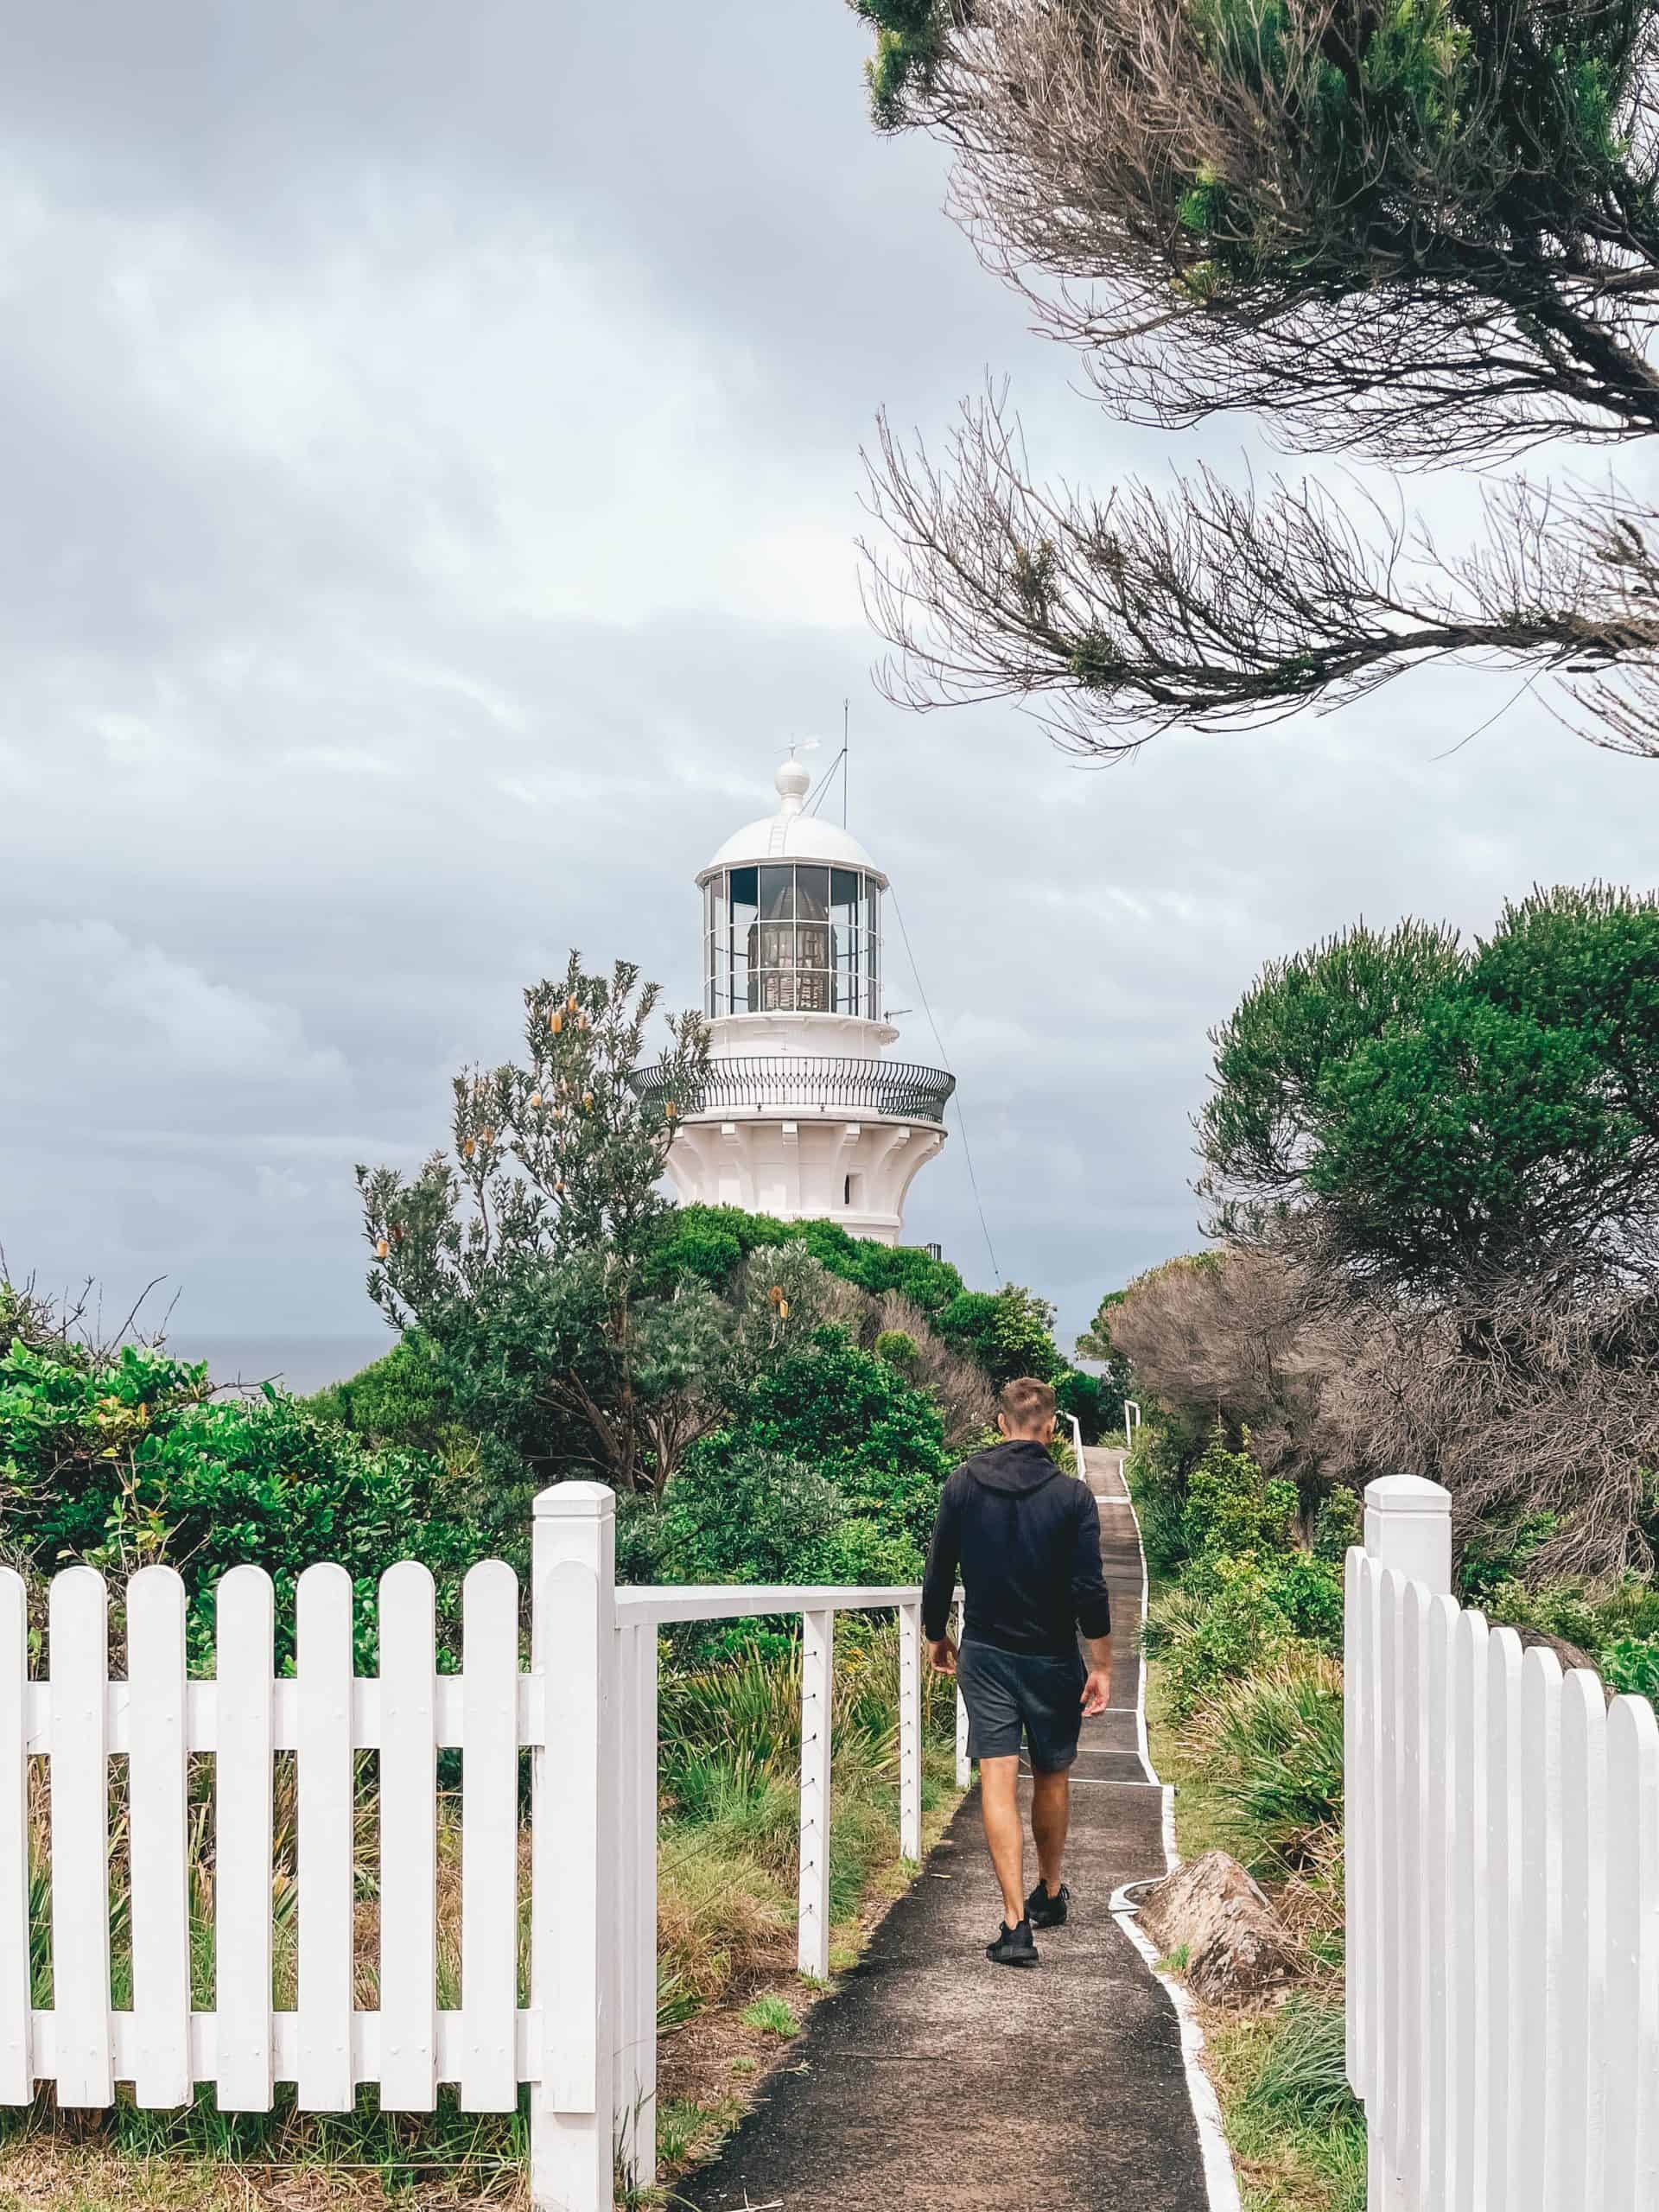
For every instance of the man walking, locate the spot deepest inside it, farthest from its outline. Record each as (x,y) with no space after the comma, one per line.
(1027,1542)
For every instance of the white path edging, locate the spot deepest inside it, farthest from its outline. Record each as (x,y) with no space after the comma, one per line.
(1220,2180)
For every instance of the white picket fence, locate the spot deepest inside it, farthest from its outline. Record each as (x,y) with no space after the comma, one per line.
(586,1709)
(1503,1888)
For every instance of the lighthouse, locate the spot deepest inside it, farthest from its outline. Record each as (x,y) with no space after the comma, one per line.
(802,1114)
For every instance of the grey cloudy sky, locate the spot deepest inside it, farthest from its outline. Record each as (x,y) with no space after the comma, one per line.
(430,446)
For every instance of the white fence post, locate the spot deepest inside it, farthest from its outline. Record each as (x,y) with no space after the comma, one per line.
(910,1731)
(1408,1528)
(573,1847)
(818,1696)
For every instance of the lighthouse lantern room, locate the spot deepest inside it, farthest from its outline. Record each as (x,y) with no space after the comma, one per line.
(802,1114)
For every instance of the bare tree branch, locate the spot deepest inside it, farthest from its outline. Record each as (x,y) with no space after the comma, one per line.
(1219,607)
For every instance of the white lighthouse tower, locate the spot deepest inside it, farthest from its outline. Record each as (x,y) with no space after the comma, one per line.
(802,1115)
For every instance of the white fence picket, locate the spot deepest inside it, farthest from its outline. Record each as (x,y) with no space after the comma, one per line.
(1505,2033)
(1407,2131)
(1631,2179)
(489,1840)
(158,1796)
(325,1791)
(407,1841)
(78,1624)
(16,2042)
(1536,2114)
(1465,2054)
(242,1889)
(409,1863)
(1386,2104)
(1443,1940)
(1356,1759)
(1575,2154)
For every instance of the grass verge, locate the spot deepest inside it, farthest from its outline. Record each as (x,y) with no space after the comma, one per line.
(1298,2137)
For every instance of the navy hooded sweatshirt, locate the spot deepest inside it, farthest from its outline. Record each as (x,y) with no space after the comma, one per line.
(1027,1541)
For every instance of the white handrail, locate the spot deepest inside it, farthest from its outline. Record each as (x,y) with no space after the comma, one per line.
(730,1601)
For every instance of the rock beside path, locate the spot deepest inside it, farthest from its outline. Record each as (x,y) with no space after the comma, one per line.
(1235,1942)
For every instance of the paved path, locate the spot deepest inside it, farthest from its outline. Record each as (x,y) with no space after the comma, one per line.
(932,2079)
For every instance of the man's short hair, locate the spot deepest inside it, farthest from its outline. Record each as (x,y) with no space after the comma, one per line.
(1025,1403)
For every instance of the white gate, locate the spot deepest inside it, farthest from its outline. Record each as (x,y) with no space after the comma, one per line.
(586,1709)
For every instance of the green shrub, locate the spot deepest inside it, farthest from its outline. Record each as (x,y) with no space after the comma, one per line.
(737,1512)
(852,1418)
(1214,1628)
(709,1242)
(1097,1403)
(1339,1524)
(1007,1332)
(1630,1664)
(403,1397)
(1308,1591)
(1271,1747)
(126,1461)
(898,1347)
(1159,1493)
(1232,1506)
(1498,1553)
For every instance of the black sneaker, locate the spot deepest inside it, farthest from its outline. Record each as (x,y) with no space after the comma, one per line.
(1014,1947)
(1045,1911)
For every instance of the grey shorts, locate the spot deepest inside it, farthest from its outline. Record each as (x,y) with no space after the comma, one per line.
(1008,1692)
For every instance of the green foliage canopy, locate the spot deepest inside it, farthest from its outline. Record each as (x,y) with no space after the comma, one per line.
(1450,1113)
(124,1460)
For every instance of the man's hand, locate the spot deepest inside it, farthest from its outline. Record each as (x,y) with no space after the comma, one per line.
(1097,1692)
(942,1654)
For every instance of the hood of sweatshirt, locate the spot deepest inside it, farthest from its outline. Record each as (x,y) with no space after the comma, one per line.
(1015,1467)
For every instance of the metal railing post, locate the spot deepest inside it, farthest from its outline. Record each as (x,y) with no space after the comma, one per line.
(817,1692)
(574,1848)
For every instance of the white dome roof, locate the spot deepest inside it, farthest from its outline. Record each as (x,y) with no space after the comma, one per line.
(794,835)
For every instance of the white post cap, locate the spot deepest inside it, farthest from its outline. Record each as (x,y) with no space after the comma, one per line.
(1409,1527)
(575,1502)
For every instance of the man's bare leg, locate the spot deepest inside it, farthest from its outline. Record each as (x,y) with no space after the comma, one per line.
(1051,1815)
(999,1802)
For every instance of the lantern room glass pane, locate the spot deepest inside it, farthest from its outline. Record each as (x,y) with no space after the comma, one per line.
(777,894)
(812,940)
(743,887)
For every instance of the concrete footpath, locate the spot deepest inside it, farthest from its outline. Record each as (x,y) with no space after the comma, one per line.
(932,2079)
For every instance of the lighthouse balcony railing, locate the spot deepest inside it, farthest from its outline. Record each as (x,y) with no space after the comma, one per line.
(809,1084)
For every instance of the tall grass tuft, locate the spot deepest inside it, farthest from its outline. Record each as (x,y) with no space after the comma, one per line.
(1272,1748)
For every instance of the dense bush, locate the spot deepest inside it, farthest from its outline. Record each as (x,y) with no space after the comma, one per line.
(1247,1594)
(125,1460)
(403,1397)
(1338,1525)
(1231,1506)
(740,1512)
(710,1242)
(855,1419)
(1007,1332)
(1630,1665)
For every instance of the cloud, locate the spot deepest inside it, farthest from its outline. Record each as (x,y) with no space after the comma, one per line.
(431,457)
